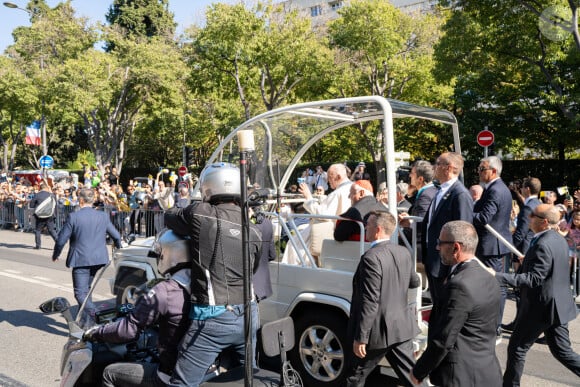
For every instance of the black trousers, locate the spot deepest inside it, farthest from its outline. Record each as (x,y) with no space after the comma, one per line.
(497,264)
(524,336)
(40,224)
(400,357)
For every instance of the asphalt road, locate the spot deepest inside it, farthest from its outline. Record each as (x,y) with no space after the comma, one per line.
(31,343)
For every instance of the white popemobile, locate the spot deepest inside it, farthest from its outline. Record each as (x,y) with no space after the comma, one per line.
(314,291)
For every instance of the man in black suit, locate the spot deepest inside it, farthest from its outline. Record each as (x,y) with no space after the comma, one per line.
(87,230)
(494,209)
(452,202)
(530,190)
(523,235)
(381,322)
(363,202)
(461,346)
(546,303)
(421,178)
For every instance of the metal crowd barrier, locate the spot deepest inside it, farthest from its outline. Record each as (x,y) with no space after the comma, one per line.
(140,222)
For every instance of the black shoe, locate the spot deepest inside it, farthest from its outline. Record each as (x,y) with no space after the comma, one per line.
(508,327)
(541,340)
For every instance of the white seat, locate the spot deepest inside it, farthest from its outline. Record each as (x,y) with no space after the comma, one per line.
(340,255)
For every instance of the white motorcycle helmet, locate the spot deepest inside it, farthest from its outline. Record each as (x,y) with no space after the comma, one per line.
(220,182)
(172,252)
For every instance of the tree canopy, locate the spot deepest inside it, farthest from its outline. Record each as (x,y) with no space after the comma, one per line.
(147,94)
(512,77)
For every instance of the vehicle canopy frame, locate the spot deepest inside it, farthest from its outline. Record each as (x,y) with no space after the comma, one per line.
(284,135)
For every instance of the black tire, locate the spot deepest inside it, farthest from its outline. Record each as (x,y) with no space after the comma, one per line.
(127,290)
(319,351)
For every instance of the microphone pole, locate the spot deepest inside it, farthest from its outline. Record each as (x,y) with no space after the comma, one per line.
(246,144)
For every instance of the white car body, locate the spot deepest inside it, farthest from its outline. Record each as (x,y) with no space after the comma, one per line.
(316,294)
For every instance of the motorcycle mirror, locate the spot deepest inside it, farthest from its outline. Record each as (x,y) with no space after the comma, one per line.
(55,305)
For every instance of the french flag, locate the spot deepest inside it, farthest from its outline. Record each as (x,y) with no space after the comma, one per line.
(33,134)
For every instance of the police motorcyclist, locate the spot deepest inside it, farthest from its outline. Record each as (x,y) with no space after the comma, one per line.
(217,311)
(166,304)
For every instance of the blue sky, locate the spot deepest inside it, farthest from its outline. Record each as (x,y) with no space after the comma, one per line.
(187,12)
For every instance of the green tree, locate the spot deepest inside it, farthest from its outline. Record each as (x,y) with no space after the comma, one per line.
(39,51)
(143,18)
(18,98)
(294,63)
(511,76)
(109,91)
(260,56)
(383,51)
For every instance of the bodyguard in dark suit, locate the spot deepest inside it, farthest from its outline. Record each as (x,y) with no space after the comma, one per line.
(494,209)
(452,202)
(381,322)
(86,229)
(546,303)
(42,222)
(461,347)
(421,178)
(523,235)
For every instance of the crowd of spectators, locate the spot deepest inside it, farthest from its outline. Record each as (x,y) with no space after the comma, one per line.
(137,201)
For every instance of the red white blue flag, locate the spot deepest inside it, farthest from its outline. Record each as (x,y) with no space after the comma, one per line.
(33,134)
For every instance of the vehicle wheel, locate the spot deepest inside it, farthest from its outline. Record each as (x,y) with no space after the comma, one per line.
(128,289)
(319,352)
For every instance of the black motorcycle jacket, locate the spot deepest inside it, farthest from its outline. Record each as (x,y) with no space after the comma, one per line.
(215,233)
(165,304)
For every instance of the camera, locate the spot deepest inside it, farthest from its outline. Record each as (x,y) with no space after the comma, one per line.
(301,180)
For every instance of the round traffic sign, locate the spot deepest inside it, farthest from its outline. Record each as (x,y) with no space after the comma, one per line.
(485,138)
(182,170)
(46,161)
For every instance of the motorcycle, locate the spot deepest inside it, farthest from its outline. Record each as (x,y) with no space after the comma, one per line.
(83,362)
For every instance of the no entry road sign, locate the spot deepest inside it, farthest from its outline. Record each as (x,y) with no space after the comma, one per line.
(485,138)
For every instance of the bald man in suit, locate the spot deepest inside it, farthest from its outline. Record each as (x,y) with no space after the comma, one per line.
(461,345)
(546,303)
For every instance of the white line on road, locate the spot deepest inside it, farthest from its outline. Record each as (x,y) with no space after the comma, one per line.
(42,278)
(48,285)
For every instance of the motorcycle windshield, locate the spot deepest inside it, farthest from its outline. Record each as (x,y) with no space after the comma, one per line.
(80,313)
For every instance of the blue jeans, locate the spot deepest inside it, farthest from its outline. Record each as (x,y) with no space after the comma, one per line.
(82,279)
(204,341)
(131,375)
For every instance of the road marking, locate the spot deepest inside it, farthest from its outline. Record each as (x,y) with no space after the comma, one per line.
(42,278)
(49,285)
